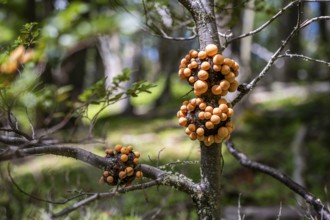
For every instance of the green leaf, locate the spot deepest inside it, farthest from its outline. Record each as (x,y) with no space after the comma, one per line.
(96,91)
(122,77)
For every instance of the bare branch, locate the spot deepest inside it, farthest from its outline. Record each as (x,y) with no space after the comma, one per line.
(163,34)
(76,206)
(253,83)
(290,55)
(266,24)
(166,36)
(178,181)
(67,151)
(96,196)
(319,207)
(279,212)
(248,88)
(278,14)
(308,22)
(56,127)
(178,162)
(14,126)
(12,140)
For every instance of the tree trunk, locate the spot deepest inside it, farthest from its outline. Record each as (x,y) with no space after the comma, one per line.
(208,202)
(211,169)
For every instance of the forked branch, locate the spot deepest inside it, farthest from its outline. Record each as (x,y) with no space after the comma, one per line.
(248,88)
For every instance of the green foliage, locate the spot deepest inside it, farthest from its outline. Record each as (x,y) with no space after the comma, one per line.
(100,94)
(26,92)
(94,93)
(138,87)
(121,78)
(78,22)
(28,35)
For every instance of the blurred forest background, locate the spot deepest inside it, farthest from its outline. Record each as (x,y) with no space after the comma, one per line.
(284,122)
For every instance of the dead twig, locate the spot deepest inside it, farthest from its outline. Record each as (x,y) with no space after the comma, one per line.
(96,196)
(278,14)
(306,58)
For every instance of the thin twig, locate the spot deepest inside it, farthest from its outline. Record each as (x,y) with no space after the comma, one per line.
(163,34)
(158,157)
(176,163)
(14,127)
(290,55)
(166,36)
(76,206)
(56,127)
(249,87)
(279,13)
(239,208)
(279,212)
(96,196)
(309,21)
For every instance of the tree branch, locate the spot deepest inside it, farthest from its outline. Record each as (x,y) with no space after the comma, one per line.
(96,196)
(319,207)
(290,55)
(61,150)
(278,14)
(157,28)
(14,127)
(308,22)
(12,140)
(178,181)
(249,87)
(203,15)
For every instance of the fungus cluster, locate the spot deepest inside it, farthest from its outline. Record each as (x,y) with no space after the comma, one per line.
(208,71)
(124,169)
(207,117)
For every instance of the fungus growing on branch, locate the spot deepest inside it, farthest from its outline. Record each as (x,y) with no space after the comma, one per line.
(208,117)
(205,122)
(124,170)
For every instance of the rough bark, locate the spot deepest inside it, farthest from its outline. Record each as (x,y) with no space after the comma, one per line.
(209,206)
(202,12)
(177,181)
